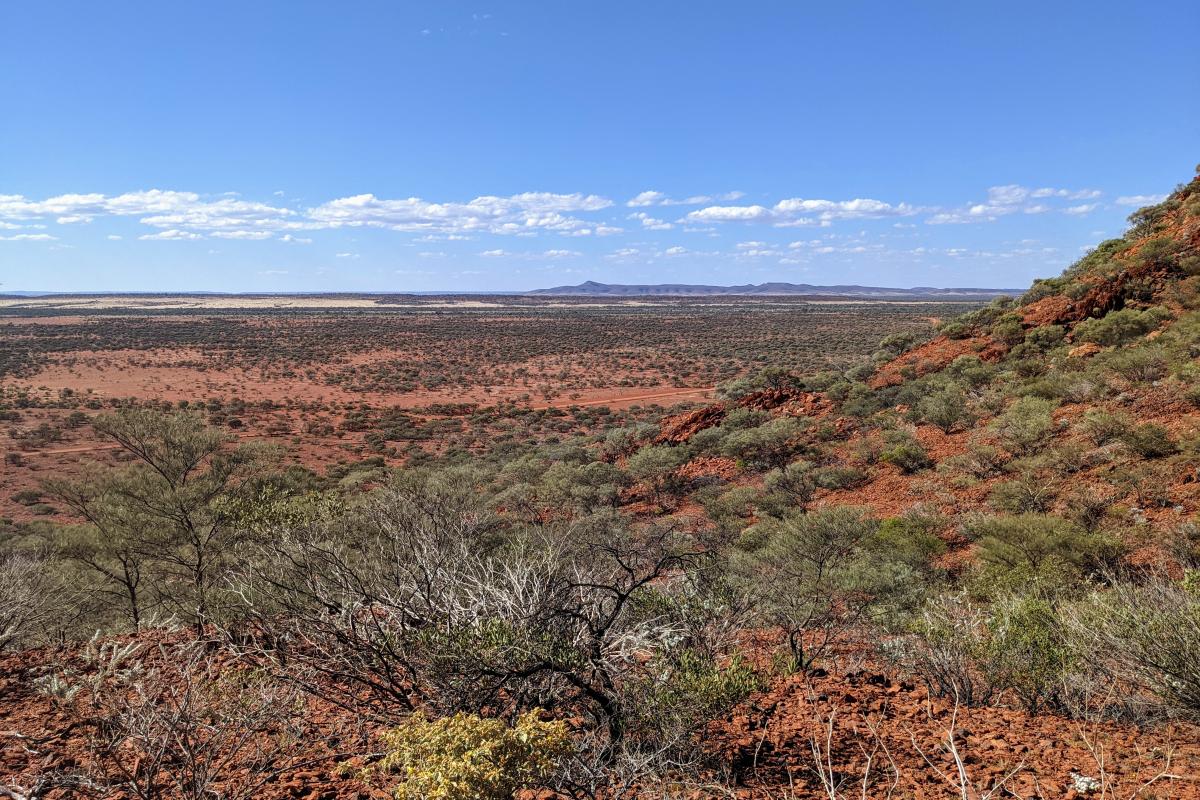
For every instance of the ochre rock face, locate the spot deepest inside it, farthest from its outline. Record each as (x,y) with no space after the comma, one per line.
(682,427)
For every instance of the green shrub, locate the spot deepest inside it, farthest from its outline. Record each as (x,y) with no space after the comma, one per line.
(839,477)
(905,452)
(1026,550)
(1028,494)
(807,573)
(1102,427)
(1147,635)
(1027,424)
(687,691)
(1027,651)
(770,445)
(1045,337)
(955,330)
(1117,327)
(1008,329)
(1140,364)
(1150,441)
(912,538)
(970,370)
(980,461)
(947,409)
(27,497)
(793,483)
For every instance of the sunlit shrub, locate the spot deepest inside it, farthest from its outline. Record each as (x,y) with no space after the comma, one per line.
(468,757)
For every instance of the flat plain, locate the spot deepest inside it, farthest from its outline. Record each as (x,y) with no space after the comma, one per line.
(328,377)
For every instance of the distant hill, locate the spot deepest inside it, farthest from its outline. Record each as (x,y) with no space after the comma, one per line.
(594,289)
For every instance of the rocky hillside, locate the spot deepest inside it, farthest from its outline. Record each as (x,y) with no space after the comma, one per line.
(1078,399)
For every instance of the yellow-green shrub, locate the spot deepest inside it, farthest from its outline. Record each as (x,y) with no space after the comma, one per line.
(468,757)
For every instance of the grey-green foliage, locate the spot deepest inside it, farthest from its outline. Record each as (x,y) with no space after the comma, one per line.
(33,601)
(904,451)
(1143,364)
(582,487)
(770,445)
(159,530)
(946,408)
(1150,440)
(816,575)
(1027,494)
(1146,633)
(1102,426)
(804,572)
(1037,551)
(978,654)
(1025,426)
(654,461)
(1117,327)
(792,486)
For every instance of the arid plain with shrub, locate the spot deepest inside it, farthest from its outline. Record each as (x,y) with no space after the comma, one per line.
(490,548)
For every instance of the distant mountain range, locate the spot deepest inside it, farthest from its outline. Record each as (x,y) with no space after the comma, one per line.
(594,289)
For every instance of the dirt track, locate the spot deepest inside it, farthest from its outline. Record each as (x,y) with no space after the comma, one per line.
(703,390)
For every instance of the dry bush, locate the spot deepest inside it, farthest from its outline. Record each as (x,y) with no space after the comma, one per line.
(1146,634)
(34,605)
(180,720)
(423,599)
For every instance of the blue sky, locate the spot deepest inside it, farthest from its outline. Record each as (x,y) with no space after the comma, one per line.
(391,146)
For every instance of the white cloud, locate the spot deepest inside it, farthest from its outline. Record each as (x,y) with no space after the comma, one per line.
(1140,200)
(29,237)
(561,253)
(253,235)
(1081,210)
(1011,199)
(676,251)
(730,214)
(798,212)
(647,198)
(170,236)
(112,237)
(528,212)
(494,253)
(652,198)
(650,223)
(346,255)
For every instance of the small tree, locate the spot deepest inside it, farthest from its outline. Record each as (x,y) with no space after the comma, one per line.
(655,465)
(905,452)
(805,573)
(1045,550)
(168,509)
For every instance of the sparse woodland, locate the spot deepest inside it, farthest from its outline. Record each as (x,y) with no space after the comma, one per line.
(964,564)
